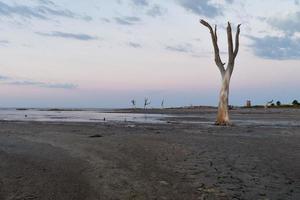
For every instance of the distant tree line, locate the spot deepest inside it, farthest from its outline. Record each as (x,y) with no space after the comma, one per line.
(279,104)
(294,103)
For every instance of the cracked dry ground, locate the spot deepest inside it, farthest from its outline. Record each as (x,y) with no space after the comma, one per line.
(148,161)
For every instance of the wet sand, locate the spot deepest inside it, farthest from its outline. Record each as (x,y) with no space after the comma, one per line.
(185,158)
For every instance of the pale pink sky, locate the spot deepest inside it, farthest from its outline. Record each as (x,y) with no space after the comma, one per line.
(103,54)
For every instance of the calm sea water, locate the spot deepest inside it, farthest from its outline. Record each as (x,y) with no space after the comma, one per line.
(88,115)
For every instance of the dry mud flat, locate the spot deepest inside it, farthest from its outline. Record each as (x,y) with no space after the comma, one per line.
(176,160)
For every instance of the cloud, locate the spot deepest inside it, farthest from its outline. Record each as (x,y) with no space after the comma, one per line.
(24,82)
(44,85)
(83,37)
(134,45)
(284,46)
(156,11)
(277,48)
(4,78)
(289,24)
(140,2)
(201,7)
(105,20)
(4,42)
(153,10)
(182,48)
(127,20)
(143,6)
(44,12)
(46,2)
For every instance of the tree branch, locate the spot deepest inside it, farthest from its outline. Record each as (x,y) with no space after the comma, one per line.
(214,38)
(230,45)
(237,41)
(216,35)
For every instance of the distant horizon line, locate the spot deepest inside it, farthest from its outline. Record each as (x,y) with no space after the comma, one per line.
(58,108)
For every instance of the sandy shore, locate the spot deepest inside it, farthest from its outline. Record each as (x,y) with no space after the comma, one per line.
(186,158)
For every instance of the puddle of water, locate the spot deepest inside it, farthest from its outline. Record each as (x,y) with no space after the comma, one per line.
(77,116)
(99,115)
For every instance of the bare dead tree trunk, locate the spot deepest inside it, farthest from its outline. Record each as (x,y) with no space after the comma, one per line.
(146,103)
(223,114)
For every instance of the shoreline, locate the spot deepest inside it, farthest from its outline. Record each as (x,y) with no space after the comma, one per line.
(243,117)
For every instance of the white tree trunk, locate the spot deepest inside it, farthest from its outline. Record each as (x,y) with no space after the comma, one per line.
(223,114)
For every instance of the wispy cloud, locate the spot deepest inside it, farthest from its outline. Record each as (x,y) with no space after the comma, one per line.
(201,7)
(106,20)
(4,78)
(140,2)
(156,11)
(182,48)
(4,42)
(25,82)
(284,46)
(127,20)
(47,2)
(83,37)
(276,48)
(134,45)
(288,24)
(44,85)
(153,10)
(45,11)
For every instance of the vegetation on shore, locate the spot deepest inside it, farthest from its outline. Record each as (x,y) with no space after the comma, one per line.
(294,104)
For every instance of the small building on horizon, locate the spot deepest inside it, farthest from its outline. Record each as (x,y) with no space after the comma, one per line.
(248,103)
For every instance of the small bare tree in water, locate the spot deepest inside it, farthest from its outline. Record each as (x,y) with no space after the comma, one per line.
(133,102)
(223,115)
(146,102)
(162,104)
